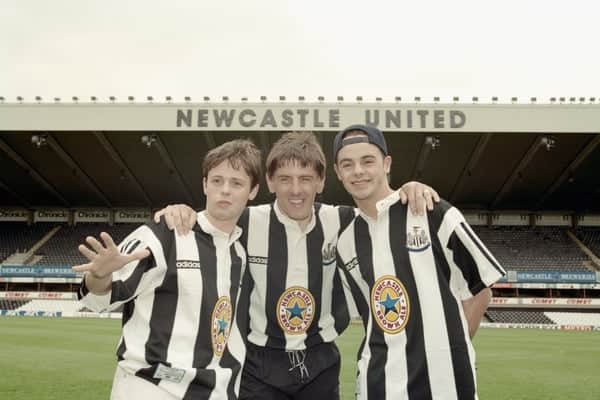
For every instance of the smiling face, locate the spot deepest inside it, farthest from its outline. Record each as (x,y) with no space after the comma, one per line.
(362,169)
(296,187)
(227,190)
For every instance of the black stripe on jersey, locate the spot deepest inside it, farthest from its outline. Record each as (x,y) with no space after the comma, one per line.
(346,215)
(130,246)
(243,223)
(276,278)
(339,307)
(465,262)
(205,380)
(227,360)
(122,290)
(481,248)
(419,386)
(376,368)
(314,249)
(463,375)
(128,309)
(163,311)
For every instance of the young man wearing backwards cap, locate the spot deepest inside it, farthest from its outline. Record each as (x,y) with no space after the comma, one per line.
(420,282)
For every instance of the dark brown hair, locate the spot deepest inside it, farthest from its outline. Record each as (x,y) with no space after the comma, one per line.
(240,153)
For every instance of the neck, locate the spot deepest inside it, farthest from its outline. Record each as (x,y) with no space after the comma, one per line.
(224,226)
(369,205)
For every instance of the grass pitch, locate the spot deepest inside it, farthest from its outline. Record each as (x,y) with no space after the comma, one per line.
(68,359)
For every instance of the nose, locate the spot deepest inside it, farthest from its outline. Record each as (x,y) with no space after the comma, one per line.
(358,169)
(295,186)
(226,188)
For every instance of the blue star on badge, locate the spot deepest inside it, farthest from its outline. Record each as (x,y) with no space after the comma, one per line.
(389,304)
(222,325)
(296,311)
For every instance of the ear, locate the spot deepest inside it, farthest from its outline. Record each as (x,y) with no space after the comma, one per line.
(204,184)
(270,184)
(321,185)
(387,164)
(253,192)
(337,173)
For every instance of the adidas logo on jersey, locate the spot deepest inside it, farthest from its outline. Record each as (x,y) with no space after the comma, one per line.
(187,264)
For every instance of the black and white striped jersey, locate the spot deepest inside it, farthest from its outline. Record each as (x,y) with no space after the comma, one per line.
(408,276)
(179,323)
(296,299)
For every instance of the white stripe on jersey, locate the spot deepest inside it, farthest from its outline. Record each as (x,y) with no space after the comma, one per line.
(439,360)
(383,264)
(258,241)
(137,329)
(223,375)
(187,317)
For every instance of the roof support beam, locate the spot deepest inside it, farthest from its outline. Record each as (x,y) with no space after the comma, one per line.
(210,140)
(32,172)
(471,165)
(122,166)
(172,168)
(422,160)
(583,154)
(517,171)
(77,169)
(14,194)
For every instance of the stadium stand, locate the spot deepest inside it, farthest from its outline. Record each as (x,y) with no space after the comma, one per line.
(534,248)
(61,249)
(590,237)
(18,236)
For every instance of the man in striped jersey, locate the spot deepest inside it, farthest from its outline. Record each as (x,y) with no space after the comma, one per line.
(180,337)
(297,304)
(420,283)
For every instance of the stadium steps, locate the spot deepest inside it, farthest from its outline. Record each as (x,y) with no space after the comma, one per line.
(31,258)
(595,264)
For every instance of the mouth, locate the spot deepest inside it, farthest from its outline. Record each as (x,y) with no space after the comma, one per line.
(361,182)
(296,202)
(223,203)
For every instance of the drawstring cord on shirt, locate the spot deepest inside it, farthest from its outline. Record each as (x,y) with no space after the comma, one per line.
(297,361)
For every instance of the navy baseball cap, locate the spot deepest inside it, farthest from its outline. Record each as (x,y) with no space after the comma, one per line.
(374,136)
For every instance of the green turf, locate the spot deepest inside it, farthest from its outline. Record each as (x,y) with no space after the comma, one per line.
(67,359)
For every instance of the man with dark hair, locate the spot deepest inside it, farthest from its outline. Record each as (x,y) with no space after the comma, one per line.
(180,337)
(420,282)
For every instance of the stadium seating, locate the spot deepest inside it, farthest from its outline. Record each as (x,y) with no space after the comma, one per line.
(533,248)
(18,236)
(12,304)
(61,249)
(62,306)
(574,318)
(518,317)
(590,237)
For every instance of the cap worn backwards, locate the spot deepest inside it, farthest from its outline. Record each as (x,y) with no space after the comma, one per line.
(374,136)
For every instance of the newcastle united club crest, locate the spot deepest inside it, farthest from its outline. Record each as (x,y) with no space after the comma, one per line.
(417,240)
(390,304)
(221,324)
(295,310)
